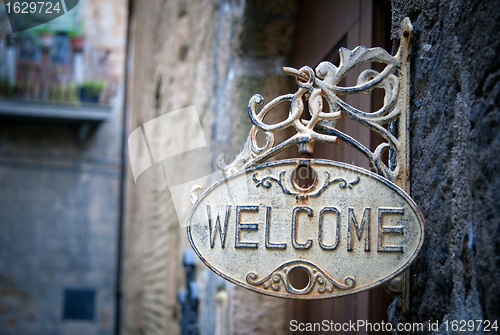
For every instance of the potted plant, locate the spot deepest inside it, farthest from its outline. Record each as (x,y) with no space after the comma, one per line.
(7,89)
(77,38)
(46,38)
(66,93)
(90,91)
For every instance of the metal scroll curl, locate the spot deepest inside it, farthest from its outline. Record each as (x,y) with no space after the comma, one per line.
(265,182)
(322,84)
(318,279)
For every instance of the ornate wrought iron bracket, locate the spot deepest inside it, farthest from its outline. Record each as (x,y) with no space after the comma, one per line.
(323,85)
(315,87)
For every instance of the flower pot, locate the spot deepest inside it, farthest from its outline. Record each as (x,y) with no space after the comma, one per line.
(46,40)
(90,95)
(78,43)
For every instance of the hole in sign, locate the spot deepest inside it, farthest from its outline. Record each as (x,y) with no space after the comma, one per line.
(298,278)
(304,177)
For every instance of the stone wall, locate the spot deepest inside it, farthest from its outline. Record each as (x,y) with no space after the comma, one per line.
(105,29)
(59,205)
(455,108)
(172,53)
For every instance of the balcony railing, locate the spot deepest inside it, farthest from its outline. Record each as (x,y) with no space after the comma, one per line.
(51,76)
(54,67)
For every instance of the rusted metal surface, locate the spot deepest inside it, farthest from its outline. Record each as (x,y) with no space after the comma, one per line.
(348,230)
(403,158)
(270,192)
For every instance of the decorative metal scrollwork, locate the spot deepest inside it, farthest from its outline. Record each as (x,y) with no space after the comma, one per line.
(322,84)
(265,182)
(317,279)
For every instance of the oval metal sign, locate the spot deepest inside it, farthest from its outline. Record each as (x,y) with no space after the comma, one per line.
(345,228)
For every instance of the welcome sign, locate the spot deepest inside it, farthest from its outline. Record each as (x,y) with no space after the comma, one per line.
(349,231)
(342,228)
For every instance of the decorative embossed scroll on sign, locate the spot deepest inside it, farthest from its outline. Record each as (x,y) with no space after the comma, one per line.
(345,228)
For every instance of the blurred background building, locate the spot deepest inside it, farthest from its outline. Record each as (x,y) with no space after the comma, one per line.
(86,249)
(61,98)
